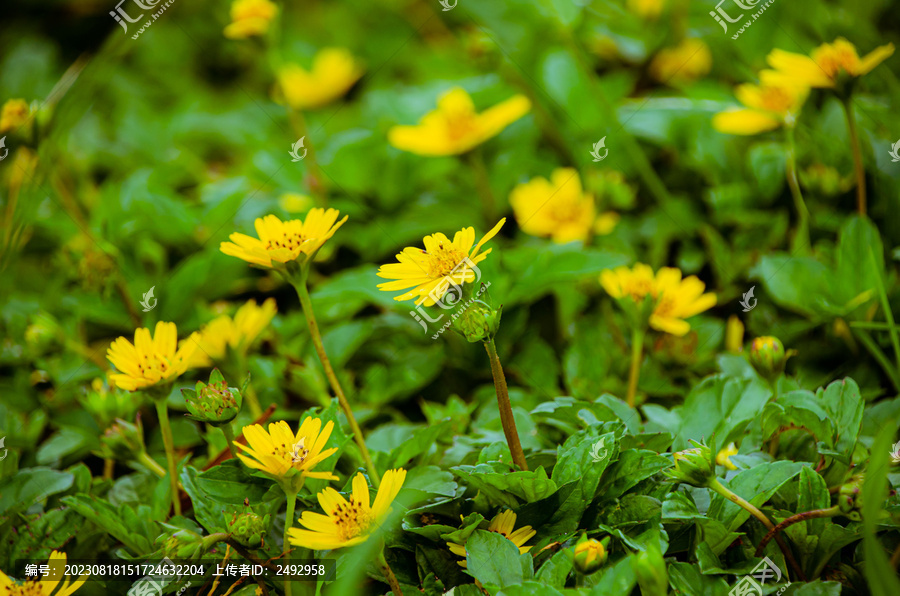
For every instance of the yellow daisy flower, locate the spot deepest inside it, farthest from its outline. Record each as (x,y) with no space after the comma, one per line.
(150,360)
(334,71)
(722,457)
(284,241)
(504,524)
(454,127)
(279,452)
(14,114)
(828,63)
(684,63)
(431,271)
(239,332)
(675,298)
(346,523)
(558,208)
(250,17)
(769,106)
(44,587)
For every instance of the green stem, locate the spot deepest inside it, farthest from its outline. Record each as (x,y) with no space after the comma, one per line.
(151,464)
(503,403)
(801,237)
(303,294)
(829,512)
(229,437)
(483,184)
(886,306)
(389,574)
(857,158)
(163,413)
(634,371)
(210,541)
(316,179)
(291,495)
(879,356)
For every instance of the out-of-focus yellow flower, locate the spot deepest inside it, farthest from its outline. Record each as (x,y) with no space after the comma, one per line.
(284,241)
(430,272)
(722,457)
(44,587)
(558,208)
(249,18)
(239,332)
(280,453)
(589,555)
(454,127)
(504,524)
(150,359)
(827,64)
(769,106)
(684,63)
(334,71)
(294,202)
(15,113)
(734,335)
(346,523)
(648,9)
(675,298)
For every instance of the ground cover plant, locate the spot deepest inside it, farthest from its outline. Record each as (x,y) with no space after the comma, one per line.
(418,297)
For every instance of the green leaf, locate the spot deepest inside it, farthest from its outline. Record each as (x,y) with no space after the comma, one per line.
(616,579)
(495,561)
(421,441)
(556,569)
(756,485)
(504,487)
(122,523)
(32,485)
(720,406)
(584,457)
(842,401)
(688,579)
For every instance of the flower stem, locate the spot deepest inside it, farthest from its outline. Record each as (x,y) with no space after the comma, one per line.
(506,413)
(857,158)
(163,414)
(483,184)
(634,371)
(316,179)
(389,574)
(829,512)
(109,466)
(305,302)
(151,464)
(229,437)
(801,237)
(291,495)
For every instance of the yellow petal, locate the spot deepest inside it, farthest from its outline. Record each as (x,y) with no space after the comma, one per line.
(744,122)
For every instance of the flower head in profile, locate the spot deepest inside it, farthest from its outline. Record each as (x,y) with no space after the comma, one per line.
(504,523)
(237,333)
(347,521)
(284,241)
(280,453)
(683,63)
(723,457)
(46,586)
(333,72)
(150,359)
(249,18)
(828,64)
(558,208)
(455,127)
(14,114)
(770,105)
(674,299)
(693,466)
(430,272)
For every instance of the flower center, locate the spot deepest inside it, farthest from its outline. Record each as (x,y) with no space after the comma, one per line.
(444,260)
(154,367)
(460,124)
(665,306)
(777,99)
(299,452)
(351,519)
(31,587)
(289,241)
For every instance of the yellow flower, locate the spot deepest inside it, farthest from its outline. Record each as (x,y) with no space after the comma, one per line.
(250,17)
(734,335)
(346,523)
(150,360)
(454,127)
(684,63)
(589,555)
(827,63)
(769,106)
(722,457)
(334,71)
(279,452)
(504,524)
(284,241)
(45,587)
(558,209)
(648,9)
(430,272)
(675,299)
(239,332)
(15,113)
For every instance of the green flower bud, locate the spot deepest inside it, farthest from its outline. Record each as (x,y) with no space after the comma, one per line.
(694,466)
(248,528)
(215,402)
(181,544)
(768,357)
(849,497)
(590,555)
(123,441)
(478,322)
